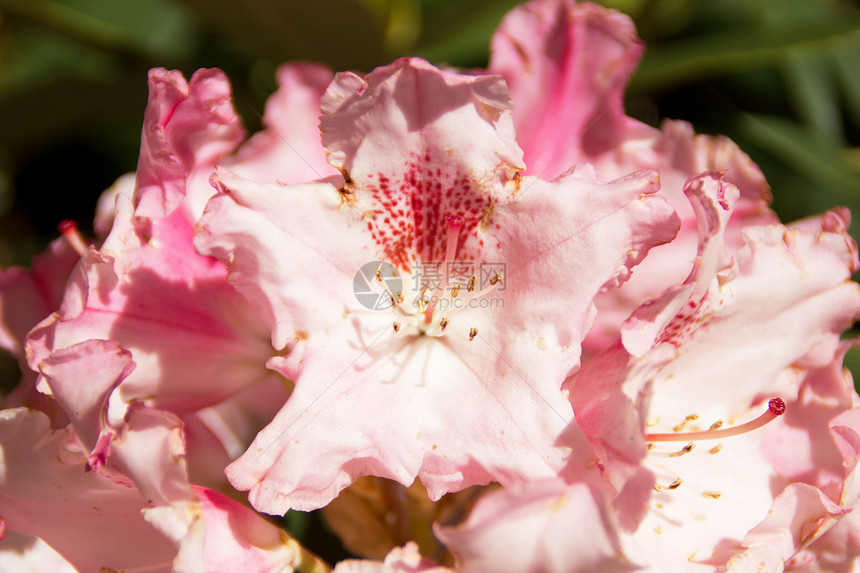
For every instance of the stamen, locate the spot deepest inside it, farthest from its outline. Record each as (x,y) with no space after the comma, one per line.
(379,273)
(73,237)
(396,326)
(454,224)
(496,278)
(674,485)
(473,281)
(712,494)
(422,301)
(685,450)
(396,299)
(680,427)
(776,408)
(716,449)
(455,290)
(443,323)
(473,332)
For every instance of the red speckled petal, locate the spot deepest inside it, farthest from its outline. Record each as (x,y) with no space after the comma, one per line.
(562,243)
(416,146)
(785,301)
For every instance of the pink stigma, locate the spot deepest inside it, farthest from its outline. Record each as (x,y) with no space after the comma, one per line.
(453,238)
(70,232)
(776,406)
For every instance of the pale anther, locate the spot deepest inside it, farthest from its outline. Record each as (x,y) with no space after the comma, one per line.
(680,427)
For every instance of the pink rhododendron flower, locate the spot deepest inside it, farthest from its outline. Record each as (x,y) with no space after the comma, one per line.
(738,501)
(147,288)
(445,190)
(566,65)
(128,487)
(460,278)
(46,480)
(788,281)
(193,338)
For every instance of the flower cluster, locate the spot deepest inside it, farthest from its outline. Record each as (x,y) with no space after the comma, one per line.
(485,320)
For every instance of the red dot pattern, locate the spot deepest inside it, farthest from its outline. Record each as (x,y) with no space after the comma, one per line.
(411,210)
(689,319)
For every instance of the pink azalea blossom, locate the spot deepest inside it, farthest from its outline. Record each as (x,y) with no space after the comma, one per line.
(194,340)
(752,502)
(779,306)
(137,508)
(566,65)
(147,288)
(445,189)
(160,363)
(124,483)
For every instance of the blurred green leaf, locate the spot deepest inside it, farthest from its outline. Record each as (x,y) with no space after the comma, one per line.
(812,88)
(343,33)
(847,63)
(730,52)
(401,22)
(818,158)
(158,29)
(37,56)
(458,33)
